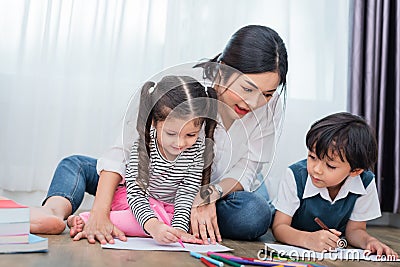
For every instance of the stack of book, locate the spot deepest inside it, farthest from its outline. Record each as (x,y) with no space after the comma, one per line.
(14,229)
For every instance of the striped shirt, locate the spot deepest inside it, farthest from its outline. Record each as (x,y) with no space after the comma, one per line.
(175,182)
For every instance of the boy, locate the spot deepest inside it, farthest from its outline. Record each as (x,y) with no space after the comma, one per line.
(333,184)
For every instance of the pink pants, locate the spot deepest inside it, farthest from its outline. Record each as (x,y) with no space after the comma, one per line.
(122,217)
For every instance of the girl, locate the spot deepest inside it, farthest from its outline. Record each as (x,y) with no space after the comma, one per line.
(333,184)
(244,142)
(165,167)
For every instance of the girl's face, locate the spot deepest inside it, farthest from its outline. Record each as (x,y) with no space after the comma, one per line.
(329,172)
(247,92)
(175,135)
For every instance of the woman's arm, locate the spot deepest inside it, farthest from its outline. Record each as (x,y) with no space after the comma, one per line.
(99,225)
(204,216)
(111,169)
(249,154)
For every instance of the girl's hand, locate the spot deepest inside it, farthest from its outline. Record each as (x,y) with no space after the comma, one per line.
(100,227)
(203,220)
(374,246)
(322,240)
(162,233)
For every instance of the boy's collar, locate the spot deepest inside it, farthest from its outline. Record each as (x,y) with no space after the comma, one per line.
(352,184)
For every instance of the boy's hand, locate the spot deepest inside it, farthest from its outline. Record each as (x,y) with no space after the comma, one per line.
(322,240)
(374,246)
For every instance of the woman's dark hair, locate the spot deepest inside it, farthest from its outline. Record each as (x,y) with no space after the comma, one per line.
(252,49)
(181,97)
(346,135)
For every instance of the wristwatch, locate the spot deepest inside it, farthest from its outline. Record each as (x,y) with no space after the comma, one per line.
(219,190)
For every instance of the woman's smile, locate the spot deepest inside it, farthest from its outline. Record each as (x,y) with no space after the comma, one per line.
(241,111)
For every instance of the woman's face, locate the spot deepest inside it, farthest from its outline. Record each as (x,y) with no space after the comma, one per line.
(245,93)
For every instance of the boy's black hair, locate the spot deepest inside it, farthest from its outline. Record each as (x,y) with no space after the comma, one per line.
(346,135)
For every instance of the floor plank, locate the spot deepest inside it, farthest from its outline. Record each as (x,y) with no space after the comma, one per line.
(65,252)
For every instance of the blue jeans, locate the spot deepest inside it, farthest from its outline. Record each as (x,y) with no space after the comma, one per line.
(241,215)
(244,216)
(74,176)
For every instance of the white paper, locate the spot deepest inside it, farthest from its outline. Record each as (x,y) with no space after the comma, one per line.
(337,254)
(139,243)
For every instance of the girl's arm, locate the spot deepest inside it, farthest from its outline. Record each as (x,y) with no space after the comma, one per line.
(138,199)
(99,225)
(357,236)
(317,241)
(139,202)
(188,189)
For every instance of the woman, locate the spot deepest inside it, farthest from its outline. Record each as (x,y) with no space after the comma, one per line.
(245,118)
(260,54)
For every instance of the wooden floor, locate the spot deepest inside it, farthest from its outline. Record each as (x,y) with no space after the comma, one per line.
(65,252)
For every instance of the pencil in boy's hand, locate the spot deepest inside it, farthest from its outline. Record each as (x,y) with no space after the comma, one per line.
(342,242)
(322,225)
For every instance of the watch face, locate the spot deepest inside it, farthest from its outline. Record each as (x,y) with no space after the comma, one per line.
(219,189)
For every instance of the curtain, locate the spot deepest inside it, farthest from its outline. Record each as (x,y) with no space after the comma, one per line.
(68,69)
(375,87)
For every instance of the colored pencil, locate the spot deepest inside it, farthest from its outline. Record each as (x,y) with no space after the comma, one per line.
(207,263)
(199,256)
(229,262)
(254,261)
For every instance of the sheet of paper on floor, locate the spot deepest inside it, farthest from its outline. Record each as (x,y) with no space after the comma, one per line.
(138,243)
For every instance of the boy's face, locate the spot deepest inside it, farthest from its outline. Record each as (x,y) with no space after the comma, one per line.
(330,171)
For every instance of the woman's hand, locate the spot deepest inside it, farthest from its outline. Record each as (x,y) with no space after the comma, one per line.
(203,217)
(99,227)
(188,238)
(203,220)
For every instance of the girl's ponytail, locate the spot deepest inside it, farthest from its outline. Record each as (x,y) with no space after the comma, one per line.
(208,155)
(143,125)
